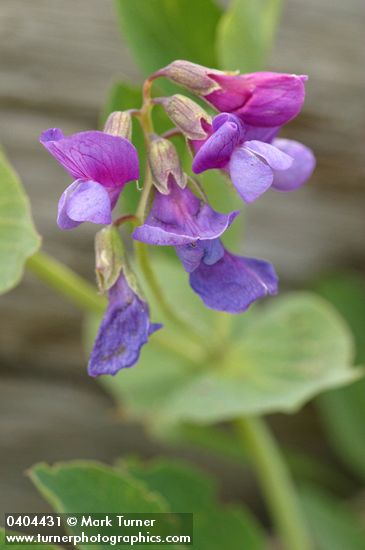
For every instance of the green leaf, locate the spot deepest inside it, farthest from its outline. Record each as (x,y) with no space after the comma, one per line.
(160,31)
(6,546)
(185,488)
(245,34)
(82,486)
(18,237)
(87,487)
(342,411)
(188,490)
(297,347)
(334,526)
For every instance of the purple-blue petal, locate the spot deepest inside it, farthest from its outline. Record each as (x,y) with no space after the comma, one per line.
(124,329)
(181,218)
(233,283)
(217,149)
(191,255)
(110,160)
(275,158)
(261,133)
(84,201)
(250,175)
(301,169)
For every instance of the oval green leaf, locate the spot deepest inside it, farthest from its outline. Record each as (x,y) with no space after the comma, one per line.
(160,31)
(245,34)
(18,237)
(186,489)
(295,348)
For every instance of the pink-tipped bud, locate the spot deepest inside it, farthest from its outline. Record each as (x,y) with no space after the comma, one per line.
(119,123)
(187,115)
(195,78)
(165,164)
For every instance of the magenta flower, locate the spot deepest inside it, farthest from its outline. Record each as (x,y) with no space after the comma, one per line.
(224,281)
(260,99)
(180,218)
(124,329)
(101,165)
(253,157)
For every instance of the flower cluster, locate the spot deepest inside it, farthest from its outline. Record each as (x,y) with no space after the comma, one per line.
(240,140)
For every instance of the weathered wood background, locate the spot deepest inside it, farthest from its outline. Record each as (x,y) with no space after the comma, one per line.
(58,59)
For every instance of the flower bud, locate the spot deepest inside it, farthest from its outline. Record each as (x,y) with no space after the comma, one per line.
(195,78)
(188,116)
(109,257)
(165,164)
(119,123)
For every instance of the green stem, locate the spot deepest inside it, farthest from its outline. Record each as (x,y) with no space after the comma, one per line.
(145,195)
(149,275)
(276,483)
(66,282)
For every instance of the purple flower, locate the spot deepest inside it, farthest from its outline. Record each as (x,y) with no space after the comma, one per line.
(224,281)
(101,165)
(192,254)
(180,218)
(124,329)
(254,158)
(259,99)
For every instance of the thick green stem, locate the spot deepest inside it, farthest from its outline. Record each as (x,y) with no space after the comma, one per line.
(66,282)
(149,275)
(276,484)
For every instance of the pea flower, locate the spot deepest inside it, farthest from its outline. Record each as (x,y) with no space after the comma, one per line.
(260,99)
(101,165)
(254,157)
(124,329)
(181,218)
(224,281)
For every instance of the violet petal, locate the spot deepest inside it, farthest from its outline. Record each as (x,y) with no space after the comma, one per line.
(301,169)
(110,160)
(250,175)
(191,255)
(275,158)
(181,218)
(124,329)
(84,201)
(217,149)
(233,283)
